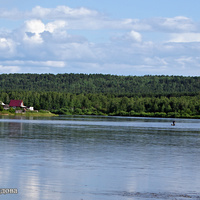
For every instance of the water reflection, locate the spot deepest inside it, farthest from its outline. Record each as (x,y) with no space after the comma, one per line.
(100,158)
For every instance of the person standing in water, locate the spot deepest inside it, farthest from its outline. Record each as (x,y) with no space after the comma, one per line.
(173,123)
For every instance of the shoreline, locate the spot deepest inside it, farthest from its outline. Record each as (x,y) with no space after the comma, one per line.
(50,114)
(135,114)
(29,114)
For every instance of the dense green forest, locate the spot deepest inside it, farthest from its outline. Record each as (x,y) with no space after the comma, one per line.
(99,83)
(97,94)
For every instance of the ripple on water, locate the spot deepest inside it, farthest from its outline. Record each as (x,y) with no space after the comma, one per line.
(159,195)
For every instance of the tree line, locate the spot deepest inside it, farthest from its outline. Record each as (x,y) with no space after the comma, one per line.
(98,94)
(101,84)
(108,104)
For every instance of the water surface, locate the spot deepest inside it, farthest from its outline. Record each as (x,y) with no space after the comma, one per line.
(99,158)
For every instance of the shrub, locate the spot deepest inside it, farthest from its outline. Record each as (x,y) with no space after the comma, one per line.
(11,110)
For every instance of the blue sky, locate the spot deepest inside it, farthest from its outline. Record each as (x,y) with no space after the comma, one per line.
(123,37)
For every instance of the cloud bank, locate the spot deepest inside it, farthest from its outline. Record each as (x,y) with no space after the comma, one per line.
(81,40)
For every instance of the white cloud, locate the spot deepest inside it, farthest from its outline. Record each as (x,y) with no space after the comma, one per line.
(9,69)
(136,24)
(57,40)
(175,24)
(7,47)
(64,11)
(135,36)
(48,63)
(155,61)
(32,30)
(4,43)
(60,12)
(11,14)
(55,25)
(39,12)
(34,26)
(159,24)
(84,18)
(185,37)
(186,63)
(30,66)
(130,37)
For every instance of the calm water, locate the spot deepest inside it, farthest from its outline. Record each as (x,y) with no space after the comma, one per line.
(99,158)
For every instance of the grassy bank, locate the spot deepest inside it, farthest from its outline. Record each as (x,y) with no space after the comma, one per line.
(46,113)
(4,112)
(29,114)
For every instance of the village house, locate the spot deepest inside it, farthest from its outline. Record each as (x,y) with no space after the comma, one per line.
(5,106)
(2,104)
(16,104)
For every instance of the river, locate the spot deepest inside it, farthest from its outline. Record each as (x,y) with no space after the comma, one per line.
(99,158)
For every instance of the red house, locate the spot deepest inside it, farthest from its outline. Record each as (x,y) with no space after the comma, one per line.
(16,103)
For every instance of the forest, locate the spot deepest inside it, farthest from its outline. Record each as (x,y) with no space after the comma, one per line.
(97,94)
(99,83)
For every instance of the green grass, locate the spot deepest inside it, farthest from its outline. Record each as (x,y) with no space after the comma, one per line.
(5,112)
(29,113)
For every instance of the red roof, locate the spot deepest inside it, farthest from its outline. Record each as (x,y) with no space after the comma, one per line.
(15,103)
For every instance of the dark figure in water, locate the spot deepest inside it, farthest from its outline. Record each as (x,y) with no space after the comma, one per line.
(173,123)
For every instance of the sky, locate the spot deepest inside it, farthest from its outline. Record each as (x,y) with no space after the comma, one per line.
(119,37)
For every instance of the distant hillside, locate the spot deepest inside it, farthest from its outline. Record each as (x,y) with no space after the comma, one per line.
(99,83)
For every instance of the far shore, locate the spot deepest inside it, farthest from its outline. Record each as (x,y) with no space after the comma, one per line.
(29,114)
(46,113)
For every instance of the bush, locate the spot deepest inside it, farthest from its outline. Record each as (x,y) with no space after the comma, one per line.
(123,113)
(78,111)
(160,114)
(11,110)
(37,107)
(44,111)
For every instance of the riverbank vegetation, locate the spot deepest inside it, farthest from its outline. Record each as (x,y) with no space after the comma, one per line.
(106,104)
(80,94)
(40,113)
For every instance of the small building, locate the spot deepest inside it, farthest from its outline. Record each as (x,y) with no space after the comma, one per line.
(31,108)
(5,106)
(16,104)
(2,104)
